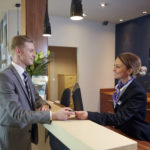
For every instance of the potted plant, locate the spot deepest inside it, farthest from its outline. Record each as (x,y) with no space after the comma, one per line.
(38,72)
(40,64)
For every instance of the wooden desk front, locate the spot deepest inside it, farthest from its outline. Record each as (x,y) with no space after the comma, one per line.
(142,145)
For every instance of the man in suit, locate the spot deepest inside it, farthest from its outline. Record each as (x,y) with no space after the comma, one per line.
(19,100)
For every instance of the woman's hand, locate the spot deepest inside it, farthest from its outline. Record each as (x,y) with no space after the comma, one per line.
(83,115)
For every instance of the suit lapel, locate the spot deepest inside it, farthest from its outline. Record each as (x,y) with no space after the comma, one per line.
(125,94)
(20,82)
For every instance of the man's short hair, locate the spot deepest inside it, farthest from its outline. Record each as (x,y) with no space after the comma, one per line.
(19,41)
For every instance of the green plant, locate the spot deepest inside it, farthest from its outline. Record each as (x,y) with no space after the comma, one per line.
(40,64)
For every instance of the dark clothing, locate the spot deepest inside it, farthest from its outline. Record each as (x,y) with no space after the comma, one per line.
(130,113)
(55,144)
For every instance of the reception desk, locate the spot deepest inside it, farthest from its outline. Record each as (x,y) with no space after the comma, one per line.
(87,135)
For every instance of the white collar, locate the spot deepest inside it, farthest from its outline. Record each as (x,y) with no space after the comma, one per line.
(19,69)
(125,86)
(122,90)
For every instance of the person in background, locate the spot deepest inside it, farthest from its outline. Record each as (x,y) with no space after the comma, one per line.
(129,100)
(20,105)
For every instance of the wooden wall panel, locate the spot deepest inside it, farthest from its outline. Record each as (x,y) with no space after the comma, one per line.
(33,13)
(23,17)
(106,102)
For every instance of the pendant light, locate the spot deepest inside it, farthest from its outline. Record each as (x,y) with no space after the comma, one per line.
(47,26)
(17,5)
(76,11)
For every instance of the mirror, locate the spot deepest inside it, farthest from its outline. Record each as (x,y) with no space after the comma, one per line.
(62,71)
(8,28)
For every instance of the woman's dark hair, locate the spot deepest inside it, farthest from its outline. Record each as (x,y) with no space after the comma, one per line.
(133,61)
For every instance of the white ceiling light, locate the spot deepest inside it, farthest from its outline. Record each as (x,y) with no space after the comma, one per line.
(103,5)
(47,26)
(84,15)
(121,20)
(144,12)
(76,10)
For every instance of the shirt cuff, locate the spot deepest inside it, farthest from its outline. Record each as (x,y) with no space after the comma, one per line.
(50,116)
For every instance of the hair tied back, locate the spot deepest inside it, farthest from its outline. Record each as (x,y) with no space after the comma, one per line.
(142,71)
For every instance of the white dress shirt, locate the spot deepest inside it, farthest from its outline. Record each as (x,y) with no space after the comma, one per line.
(20,71)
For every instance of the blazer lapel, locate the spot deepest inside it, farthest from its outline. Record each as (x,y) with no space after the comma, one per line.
(20,82)
(125,94)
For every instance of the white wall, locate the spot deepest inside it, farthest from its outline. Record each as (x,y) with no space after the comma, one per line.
(95,56)
(12,24)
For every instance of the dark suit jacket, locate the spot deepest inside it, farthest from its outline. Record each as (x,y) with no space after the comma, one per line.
(17,113)
(129,115)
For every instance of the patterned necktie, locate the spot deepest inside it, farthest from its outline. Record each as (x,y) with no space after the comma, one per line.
(116,94)
(26,81)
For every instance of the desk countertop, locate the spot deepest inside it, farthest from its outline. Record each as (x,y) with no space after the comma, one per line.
(87,135)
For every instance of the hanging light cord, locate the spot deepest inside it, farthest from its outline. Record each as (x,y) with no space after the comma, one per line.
(17,5)
(17,21)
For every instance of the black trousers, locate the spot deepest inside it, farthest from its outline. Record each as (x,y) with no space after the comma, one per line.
(55,144)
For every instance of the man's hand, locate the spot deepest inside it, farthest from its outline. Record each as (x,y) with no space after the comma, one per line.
(62,114)
(44,108)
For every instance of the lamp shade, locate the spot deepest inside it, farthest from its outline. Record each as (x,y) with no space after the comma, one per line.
(47,26)
(76,11)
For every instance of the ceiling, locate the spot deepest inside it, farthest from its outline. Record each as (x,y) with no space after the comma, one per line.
(115,10)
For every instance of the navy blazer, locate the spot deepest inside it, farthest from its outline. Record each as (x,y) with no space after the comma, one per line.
(130,113)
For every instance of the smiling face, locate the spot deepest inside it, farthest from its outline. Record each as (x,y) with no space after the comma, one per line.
(121,72)
(26,54)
